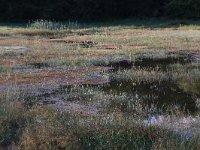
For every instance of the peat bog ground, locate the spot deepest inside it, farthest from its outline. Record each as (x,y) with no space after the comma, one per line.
(120,86)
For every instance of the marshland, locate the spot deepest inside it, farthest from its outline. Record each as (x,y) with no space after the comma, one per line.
(125,84)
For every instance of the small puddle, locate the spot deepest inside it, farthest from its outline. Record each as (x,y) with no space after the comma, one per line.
(124,62)
(163,94)
(160,63)
(183,127)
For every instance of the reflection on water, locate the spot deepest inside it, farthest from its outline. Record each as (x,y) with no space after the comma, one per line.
(164,94)
(160,63)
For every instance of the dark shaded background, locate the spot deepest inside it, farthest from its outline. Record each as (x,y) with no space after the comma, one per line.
(95,10)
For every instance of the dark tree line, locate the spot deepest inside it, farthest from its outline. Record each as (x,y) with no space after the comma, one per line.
(24,10)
